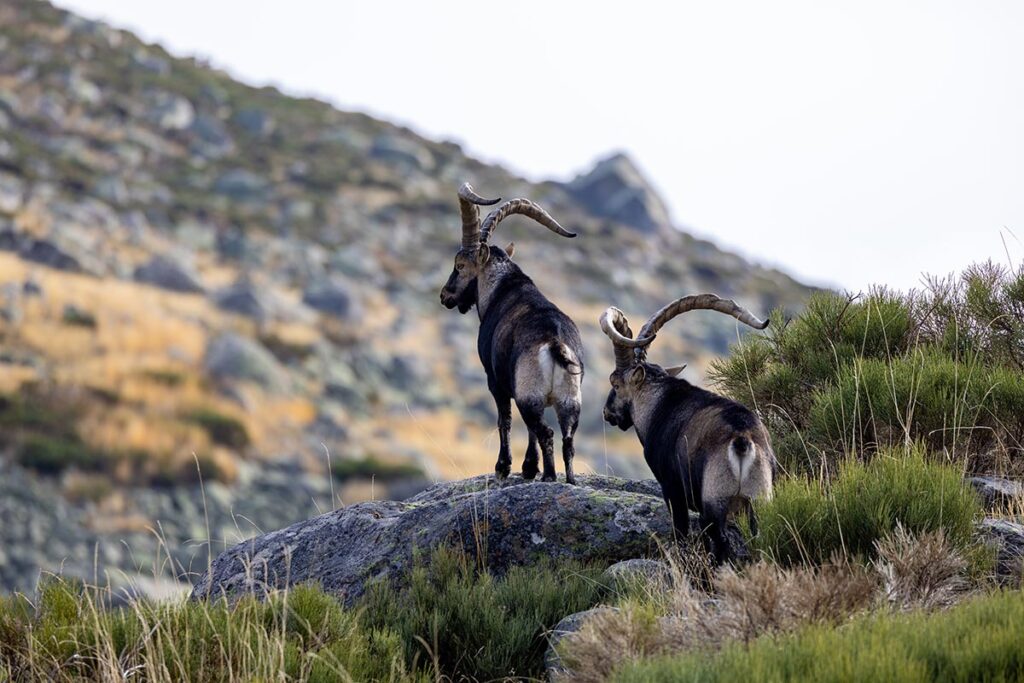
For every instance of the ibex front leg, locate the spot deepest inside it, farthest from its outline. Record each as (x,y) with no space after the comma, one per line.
(504,464)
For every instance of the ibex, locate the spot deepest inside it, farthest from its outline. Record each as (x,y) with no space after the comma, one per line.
(710,454)
(530,350)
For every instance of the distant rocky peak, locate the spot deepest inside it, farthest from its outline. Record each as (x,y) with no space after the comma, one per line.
(616,189)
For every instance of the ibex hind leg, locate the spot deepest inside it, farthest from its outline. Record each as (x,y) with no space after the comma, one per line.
(713,521)
(531,465)
(568,420)
(533,415)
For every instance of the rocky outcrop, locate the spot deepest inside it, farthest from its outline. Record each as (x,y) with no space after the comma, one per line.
(997,492)
(501,524)
(553,664)
(615,189)
(1006,537)
(169,273)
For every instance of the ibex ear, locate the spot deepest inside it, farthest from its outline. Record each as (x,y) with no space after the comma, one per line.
(483,255)
(510,249)
(637,375)
(674,372)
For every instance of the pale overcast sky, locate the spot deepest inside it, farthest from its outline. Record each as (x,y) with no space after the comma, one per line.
(848,143)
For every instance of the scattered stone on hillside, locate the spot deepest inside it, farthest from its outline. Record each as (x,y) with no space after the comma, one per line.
(997,492)
(31,287)
(639,570)
(241,184)
(255,121)
(231,357)
(401,150)
(512,523)
(171,112)
(151,62)
(168,272)
(1007,537)
(10,303)
(10,239)
(566,627)
(47,253)
(12,193)
(81,88)
(245,298)
(333,297)
(211,137)
(616,189)
(39,530)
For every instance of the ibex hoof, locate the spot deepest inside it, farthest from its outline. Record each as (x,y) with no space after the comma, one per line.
(529,474)
(549,477)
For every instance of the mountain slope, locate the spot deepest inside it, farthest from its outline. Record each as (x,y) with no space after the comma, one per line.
(197,272)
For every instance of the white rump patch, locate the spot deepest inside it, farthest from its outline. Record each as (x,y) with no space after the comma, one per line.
(741,467)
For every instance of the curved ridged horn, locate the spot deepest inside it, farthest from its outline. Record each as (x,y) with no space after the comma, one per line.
(526,208)
(468,201)
(709,302)
(616,326)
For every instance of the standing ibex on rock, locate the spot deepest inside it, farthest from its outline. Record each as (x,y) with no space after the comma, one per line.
(709,454)
(530,350)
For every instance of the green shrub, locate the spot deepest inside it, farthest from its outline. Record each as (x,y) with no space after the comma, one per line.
(52,455)
(372,467)
(34,409)
(475,625)
(168,378)
(79,318)
(811,520)
(977,641)
(222,429)
(851,374)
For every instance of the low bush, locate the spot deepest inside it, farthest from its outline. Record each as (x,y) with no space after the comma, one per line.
(78,317)
(465,623)
(222,429)
(977,641)
(54,454)
(36,409)
(372,467)
(809,520)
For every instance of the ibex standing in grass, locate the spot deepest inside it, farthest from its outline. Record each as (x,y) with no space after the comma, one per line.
(709,454)
(530,350)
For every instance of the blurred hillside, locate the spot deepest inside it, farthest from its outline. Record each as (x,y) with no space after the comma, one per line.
(200,275)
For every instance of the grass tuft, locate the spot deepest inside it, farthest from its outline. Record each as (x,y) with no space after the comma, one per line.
(977,641)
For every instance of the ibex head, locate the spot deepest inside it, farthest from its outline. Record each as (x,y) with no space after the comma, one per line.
(475,253)
(632,371)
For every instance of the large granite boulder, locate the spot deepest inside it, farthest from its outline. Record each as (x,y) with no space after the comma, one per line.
(502,524)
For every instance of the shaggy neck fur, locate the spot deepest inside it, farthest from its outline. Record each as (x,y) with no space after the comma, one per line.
(498,272)
(648,397)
